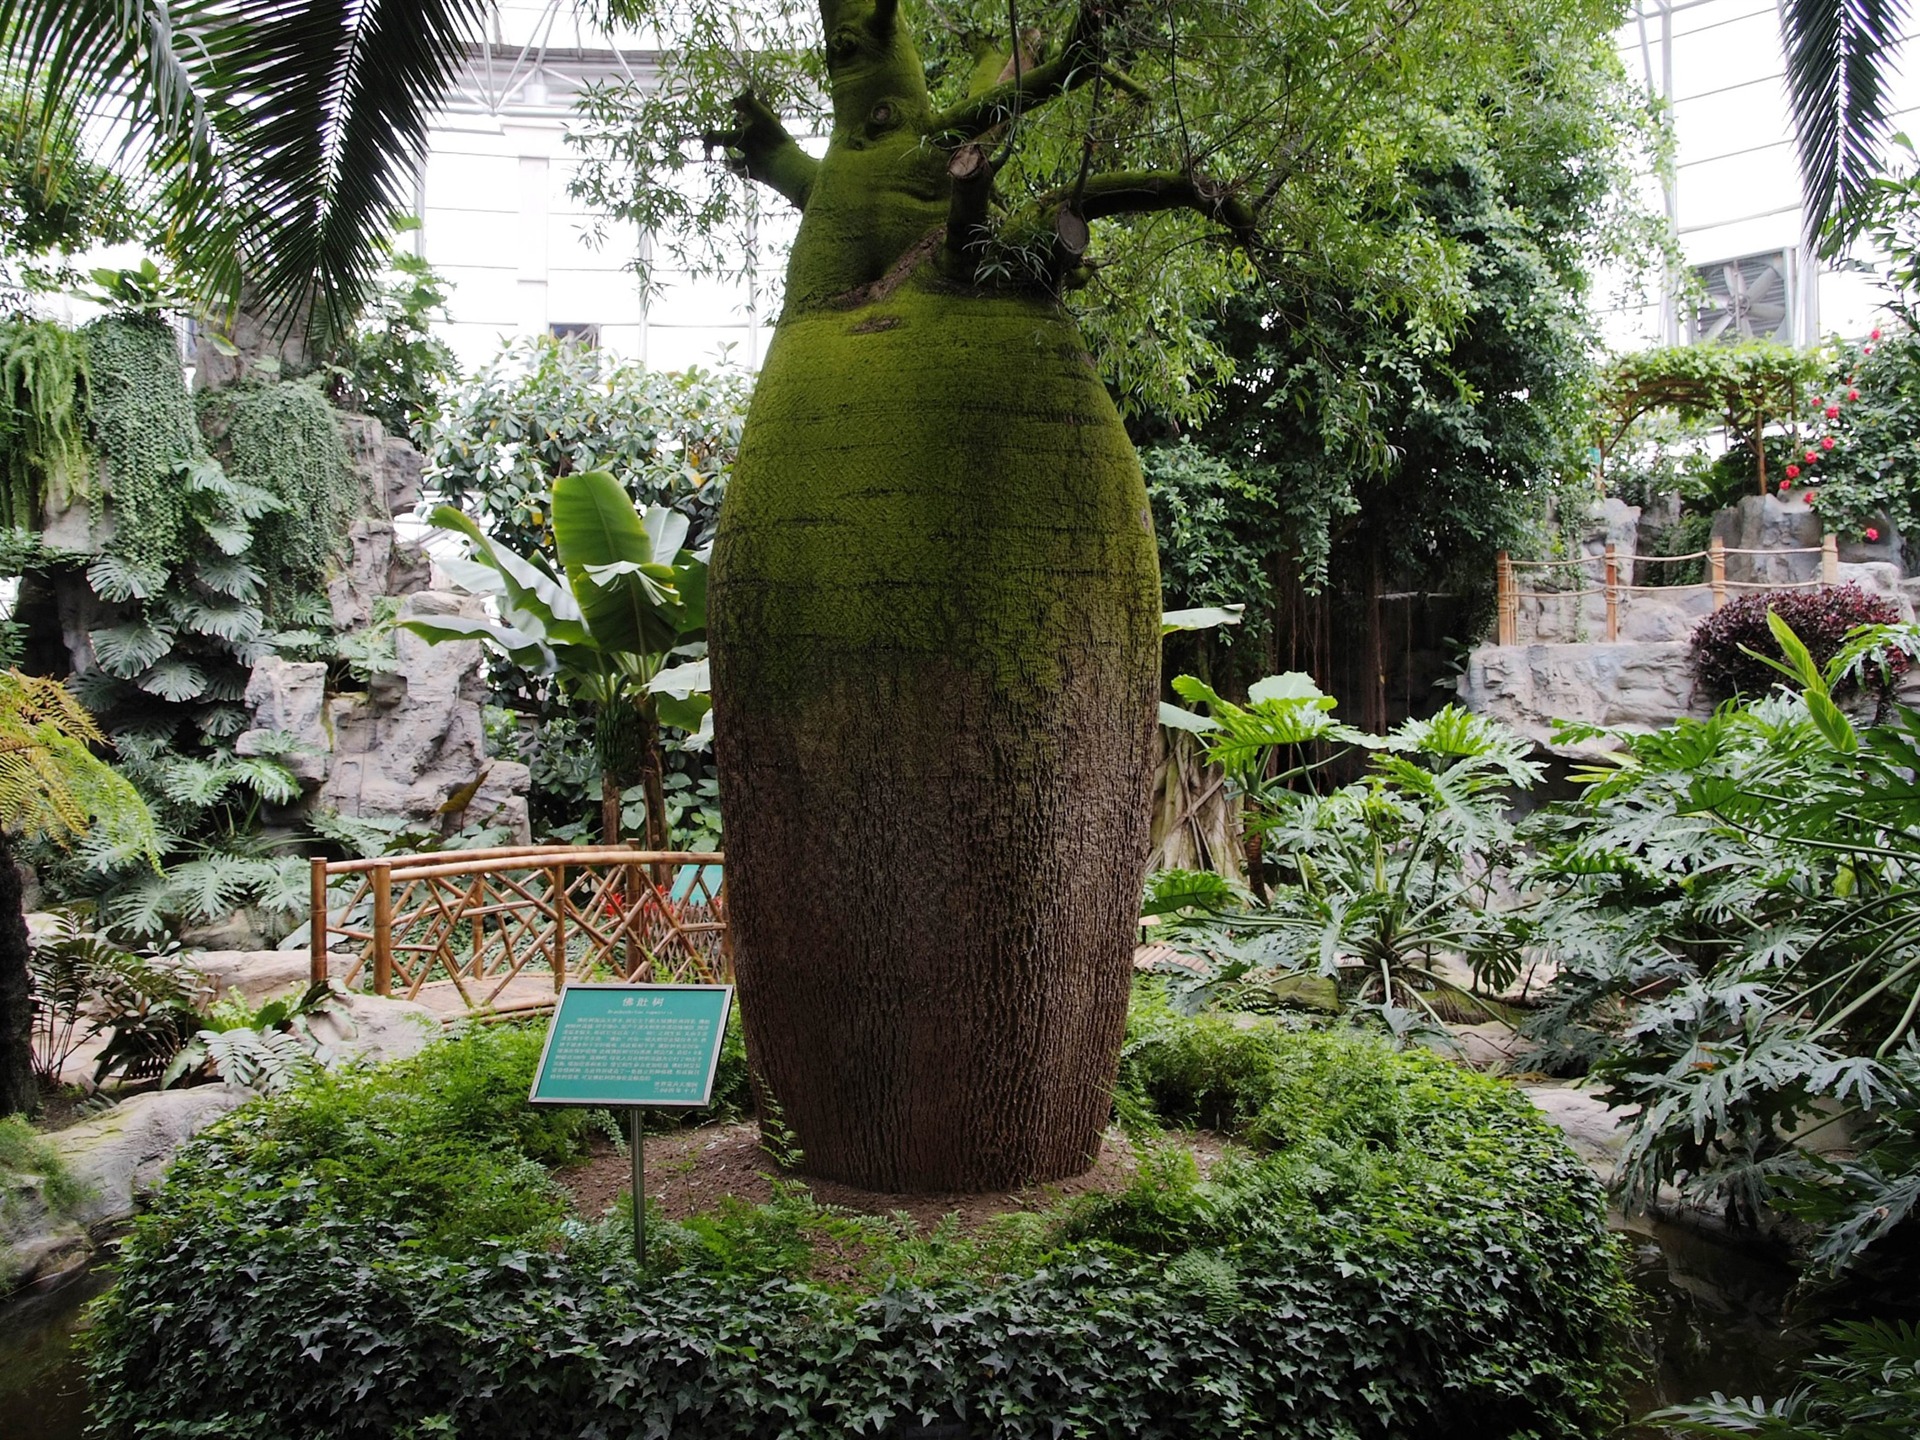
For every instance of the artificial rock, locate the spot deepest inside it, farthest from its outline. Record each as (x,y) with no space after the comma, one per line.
(1636,685)
(414,747)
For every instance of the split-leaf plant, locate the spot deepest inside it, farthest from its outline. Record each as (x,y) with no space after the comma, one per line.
(1375,884)
(1734,904)
(201,563)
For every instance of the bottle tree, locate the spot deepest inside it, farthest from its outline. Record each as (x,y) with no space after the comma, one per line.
(935,596)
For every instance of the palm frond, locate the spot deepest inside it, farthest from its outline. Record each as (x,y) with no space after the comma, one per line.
(1840,56)
(324,107)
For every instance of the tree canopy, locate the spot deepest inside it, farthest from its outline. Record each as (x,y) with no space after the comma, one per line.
(1227,142)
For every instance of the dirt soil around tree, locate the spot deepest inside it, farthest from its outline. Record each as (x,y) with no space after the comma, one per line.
(689,1172)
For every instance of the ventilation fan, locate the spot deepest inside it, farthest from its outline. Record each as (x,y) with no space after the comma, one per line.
(1751,298)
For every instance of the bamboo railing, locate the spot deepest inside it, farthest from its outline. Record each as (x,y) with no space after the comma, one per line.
(1508,593)
(501,930)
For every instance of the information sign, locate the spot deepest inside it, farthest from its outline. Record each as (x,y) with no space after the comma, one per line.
(633,1045)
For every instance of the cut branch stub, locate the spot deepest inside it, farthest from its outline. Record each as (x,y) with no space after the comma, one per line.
(971,173)
(1071,232)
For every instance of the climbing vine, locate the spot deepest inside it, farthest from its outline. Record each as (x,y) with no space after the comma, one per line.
(143,428)
(43,401)
(283,439)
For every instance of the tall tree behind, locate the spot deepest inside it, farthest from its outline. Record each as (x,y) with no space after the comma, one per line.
(934,586)
(1348,455)
(53,786)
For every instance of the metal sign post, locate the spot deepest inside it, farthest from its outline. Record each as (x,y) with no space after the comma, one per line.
(633,1046)
(637,1146)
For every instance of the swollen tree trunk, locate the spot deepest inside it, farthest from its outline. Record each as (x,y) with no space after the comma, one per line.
(19,1095)
(934,626)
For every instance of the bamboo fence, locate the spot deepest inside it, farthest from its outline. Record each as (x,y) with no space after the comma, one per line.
(500,931)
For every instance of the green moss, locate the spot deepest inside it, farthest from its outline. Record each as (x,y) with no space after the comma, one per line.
(26,1152)
(935,474)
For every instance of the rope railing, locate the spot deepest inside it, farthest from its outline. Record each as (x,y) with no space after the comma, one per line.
(1508,593)
(501,930)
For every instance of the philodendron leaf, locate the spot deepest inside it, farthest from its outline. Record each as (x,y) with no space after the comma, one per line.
(1175,718)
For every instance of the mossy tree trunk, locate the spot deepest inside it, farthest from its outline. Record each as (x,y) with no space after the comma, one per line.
(934,624)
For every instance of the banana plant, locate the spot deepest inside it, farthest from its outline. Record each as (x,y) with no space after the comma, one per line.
(620,624)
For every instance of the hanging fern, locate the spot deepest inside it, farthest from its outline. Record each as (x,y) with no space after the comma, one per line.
(143,426)
(43,402)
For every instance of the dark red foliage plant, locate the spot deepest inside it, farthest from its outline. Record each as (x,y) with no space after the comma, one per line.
(1820,617)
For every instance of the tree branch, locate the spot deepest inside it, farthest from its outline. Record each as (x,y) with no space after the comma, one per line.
(1138,192)
(767,153)
(1077,64)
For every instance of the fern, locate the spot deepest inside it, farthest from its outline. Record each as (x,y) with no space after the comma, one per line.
(222,722)
(209,889)
(267,778)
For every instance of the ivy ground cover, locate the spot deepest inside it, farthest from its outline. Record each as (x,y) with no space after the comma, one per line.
(1397,1248)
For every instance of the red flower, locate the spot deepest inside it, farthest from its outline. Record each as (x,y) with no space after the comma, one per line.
(1866,349)
(1826,442)
(1793,472)
(1853,394)
(1833,412)
(1812,455)
(1810,497)
(1873,534)
(1875,335)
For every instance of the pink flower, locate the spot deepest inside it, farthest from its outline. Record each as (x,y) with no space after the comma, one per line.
(1853,394)
(1793,472)
(1866,349)
(1809,497)
(1875,335)
(1833,412)
(1816,402)
(1873,534)
(1812,455)
(1826,442)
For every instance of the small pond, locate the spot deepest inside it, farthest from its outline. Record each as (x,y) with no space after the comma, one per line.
(1714,1313)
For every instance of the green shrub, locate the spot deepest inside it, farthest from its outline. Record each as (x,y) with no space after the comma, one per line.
(1423,1259)
(1866,1389)
(1822,619)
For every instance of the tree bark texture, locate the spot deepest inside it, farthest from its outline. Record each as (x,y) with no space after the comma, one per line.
(934,624)
(935,630)
(19,1094)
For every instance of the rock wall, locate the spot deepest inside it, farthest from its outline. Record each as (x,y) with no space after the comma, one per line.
(411,745)
(1566,670)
